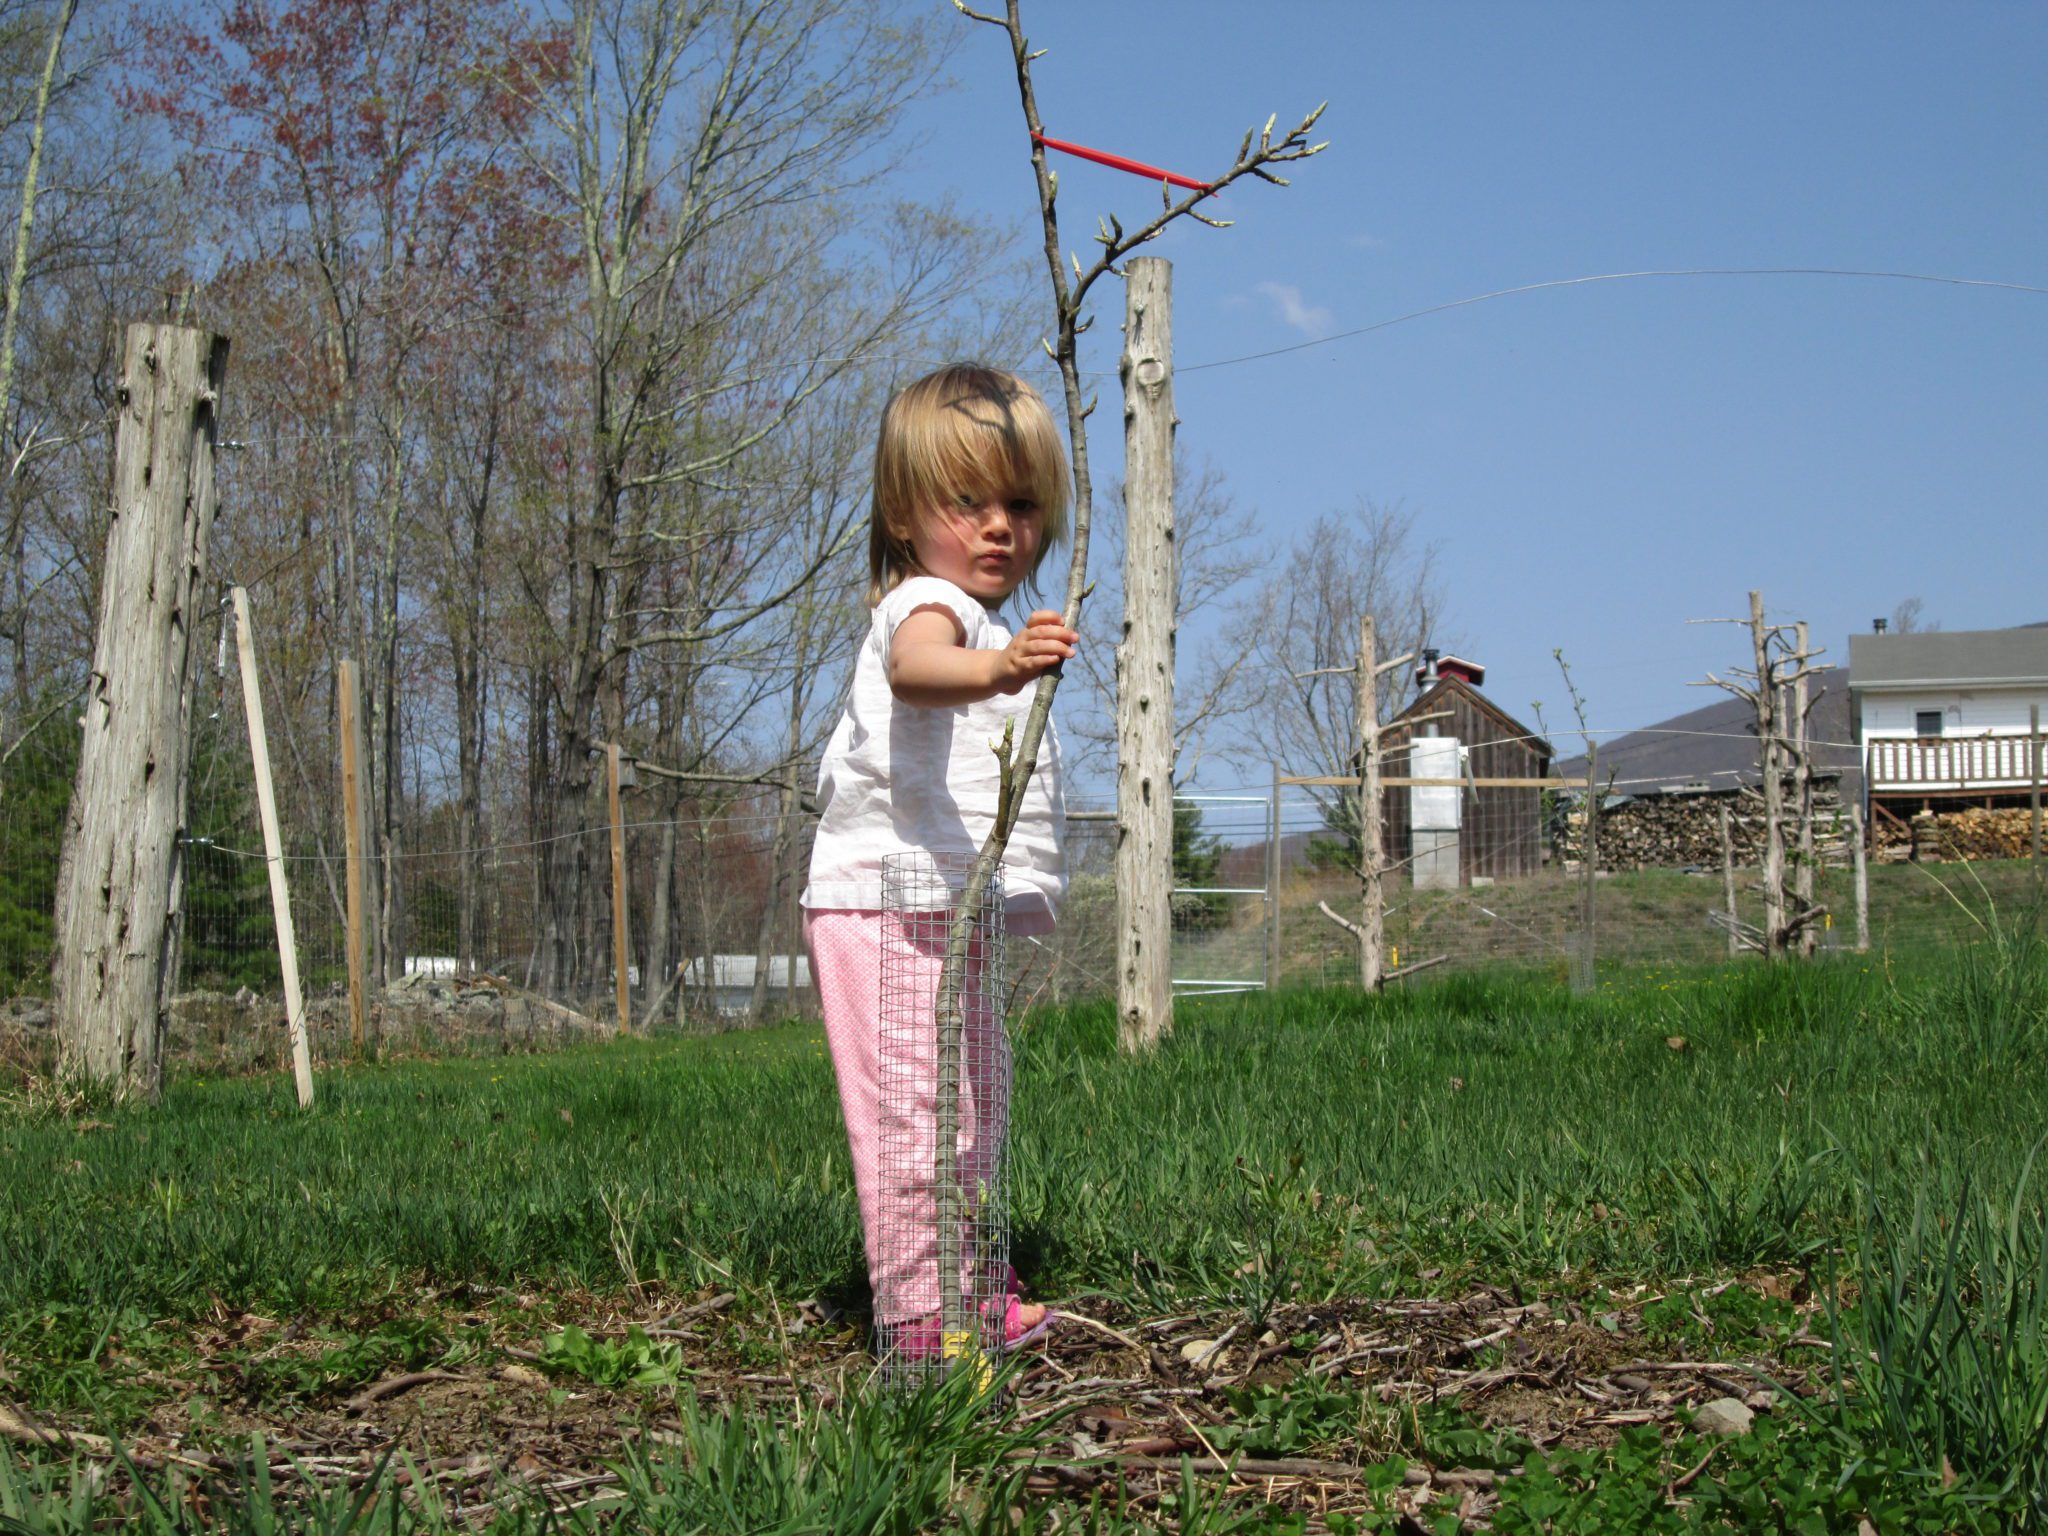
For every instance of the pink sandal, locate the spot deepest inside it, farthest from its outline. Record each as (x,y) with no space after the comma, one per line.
(924,1338)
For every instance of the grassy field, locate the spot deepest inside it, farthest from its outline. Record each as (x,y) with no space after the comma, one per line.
(1643,917)
(1665,1172)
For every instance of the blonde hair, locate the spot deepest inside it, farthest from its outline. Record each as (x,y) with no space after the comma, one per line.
(963,430)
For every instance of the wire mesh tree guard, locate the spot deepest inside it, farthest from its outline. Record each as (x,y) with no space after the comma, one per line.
(943,1245)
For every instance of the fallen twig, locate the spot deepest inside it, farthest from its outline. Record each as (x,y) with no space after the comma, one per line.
(14,1427)
(392,1386)
(1081,1317)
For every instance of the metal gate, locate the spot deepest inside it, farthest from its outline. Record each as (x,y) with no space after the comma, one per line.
(1221,928)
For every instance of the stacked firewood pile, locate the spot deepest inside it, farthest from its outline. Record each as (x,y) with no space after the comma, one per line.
(1671,831)
(1975,833)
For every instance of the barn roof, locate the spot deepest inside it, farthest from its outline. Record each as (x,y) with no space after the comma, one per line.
(1511,729)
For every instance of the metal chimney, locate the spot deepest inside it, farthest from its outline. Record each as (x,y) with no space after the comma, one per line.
(1879,626)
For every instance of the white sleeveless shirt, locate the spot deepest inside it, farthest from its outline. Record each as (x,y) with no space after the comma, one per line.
(898,777)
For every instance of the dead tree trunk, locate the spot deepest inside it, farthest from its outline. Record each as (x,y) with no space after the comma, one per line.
(1773,782)
(1144,665)
(1802,790)
(1372,891)
(121,877)
(1780,665)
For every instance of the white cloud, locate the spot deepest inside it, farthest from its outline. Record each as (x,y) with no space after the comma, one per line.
(1366,243)
(1311,320)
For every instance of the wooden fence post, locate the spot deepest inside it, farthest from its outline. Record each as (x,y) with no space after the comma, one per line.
(1144,704)
(624,992)
(273,852)
(350,729)
(121,873)
(1862,867)
(1372,892)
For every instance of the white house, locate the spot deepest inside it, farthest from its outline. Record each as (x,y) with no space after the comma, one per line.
(1949,714)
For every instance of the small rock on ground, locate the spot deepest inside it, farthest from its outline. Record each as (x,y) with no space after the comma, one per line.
(1724,1416)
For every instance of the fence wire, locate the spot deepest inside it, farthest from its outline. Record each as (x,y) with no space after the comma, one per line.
(490,928)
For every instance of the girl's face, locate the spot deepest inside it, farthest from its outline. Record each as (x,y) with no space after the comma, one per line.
(985,545)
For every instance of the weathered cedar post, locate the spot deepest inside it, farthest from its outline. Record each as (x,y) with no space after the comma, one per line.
(349,728)
(1144,664)
(624,993)
(1372,894)
(120,882)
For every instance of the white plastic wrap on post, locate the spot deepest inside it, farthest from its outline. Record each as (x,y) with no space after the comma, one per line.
(920,1072)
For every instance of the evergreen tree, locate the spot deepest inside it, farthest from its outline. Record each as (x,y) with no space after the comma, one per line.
(1197,860)
(35,792)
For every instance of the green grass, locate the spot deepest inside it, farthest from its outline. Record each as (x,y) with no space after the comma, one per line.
(1499,1125)
(1873,1119)
(1648,917)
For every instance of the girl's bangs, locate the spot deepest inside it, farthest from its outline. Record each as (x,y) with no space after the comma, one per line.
(970,451)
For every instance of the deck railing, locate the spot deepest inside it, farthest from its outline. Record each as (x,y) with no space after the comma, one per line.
(1954,762)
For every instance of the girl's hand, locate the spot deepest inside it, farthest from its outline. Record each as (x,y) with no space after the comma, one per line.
(1039,647)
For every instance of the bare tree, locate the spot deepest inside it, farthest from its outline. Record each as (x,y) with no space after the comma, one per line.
(1018,756)
(1302,629)
(1906,619)
(1774,685)
(713,156)
(1215,554)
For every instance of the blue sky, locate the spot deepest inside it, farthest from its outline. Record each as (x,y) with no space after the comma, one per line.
(1598,463)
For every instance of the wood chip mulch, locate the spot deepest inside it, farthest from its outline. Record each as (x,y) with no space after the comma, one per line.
(1127,1402)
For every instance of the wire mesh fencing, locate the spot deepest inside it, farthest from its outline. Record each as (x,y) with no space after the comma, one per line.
(488,923)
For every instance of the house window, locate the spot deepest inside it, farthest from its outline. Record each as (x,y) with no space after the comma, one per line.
(1926,722)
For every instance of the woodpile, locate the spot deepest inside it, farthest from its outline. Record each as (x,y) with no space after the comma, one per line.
(1676,830)
(1946,836)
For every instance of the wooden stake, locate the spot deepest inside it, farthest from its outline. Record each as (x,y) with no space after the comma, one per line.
(273,852)
(1144,665)
(121,872)
(350,727)
(1728,885)
(625,996)
(1372,895)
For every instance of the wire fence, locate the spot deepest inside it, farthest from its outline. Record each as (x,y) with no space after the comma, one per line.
(486,932)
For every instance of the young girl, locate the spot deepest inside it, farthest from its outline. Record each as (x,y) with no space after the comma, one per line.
(970,495)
